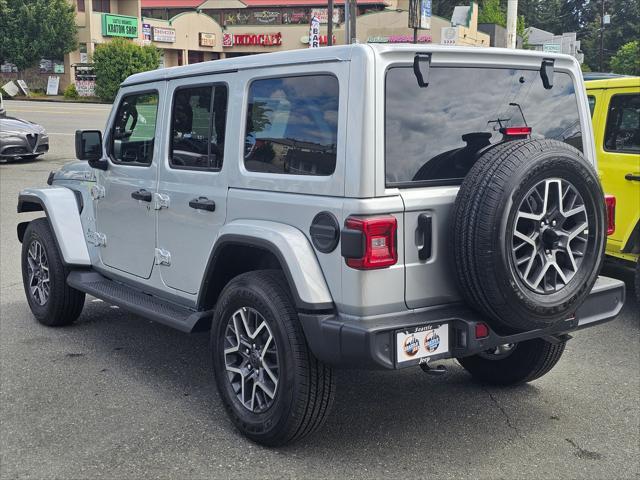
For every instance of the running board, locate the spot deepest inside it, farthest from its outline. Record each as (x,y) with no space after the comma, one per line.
(135,301)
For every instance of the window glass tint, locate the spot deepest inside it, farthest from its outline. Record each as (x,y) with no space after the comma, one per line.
(592,103)
(623,124)
(292,125)
(198,127)
(134,129)
(434,133)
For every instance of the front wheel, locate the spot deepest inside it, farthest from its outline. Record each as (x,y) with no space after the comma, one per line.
(513,364)
(44,276)
(272,386)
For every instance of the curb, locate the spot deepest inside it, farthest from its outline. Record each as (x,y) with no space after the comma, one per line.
(56,99)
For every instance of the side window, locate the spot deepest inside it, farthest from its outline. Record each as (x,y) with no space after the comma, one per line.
(623,124)
(292,125)
(198,122)
(592,103)
(134,129)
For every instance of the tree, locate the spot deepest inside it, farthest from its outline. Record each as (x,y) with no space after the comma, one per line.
(627,59)
(492,11)
(35,29)
(114,61)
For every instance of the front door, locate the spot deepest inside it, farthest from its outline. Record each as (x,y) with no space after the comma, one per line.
(618,152)
(192,183)
(125,215)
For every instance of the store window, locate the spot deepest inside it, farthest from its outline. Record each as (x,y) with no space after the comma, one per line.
(80,5)
(292,125)
(295,16)
(198,123)
(102,6)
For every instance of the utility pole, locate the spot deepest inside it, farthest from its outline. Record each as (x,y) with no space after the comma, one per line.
(330,23)
(512,23)
(602,38)
(347,22)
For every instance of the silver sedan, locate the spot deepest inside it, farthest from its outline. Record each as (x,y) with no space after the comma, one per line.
(21,139)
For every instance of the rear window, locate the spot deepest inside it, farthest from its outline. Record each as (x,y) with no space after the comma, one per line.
(433,134)
(292,125)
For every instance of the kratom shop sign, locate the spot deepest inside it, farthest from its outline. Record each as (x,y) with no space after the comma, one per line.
(119,26)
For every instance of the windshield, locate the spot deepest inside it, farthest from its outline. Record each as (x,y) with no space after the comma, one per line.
(433,134)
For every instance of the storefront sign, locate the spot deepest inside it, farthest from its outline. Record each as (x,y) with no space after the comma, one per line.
(53,84)
(322,14)
(399,39)
(119,26)
(146,31)
(207,39)
(266,17)
(22,85)
(552,47)
(314,33)
(449,36)
(86,88)
(227,39)
(164,34)
(265,39)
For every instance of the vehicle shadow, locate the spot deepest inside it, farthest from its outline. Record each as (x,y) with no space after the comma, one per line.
(406,409)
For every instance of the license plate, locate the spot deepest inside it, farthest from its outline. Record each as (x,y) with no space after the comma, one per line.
(420,342)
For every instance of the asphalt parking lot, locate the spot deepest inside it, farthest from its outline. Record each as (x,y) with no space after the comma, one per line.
(116,396)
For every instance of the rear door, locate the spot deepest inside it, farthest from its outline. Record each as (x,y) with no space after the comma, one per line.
(618,151)
(433,137)
(193,182)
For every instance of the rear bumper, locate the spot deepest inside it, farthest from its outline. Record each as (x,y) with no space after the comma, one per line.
(370,343)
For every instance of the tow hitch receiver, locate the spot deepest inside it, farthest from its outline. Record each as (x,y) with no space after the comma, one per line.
(431,370)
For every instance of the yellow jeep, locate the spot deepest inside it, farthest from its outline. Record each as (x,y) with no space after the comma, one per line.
(615,110)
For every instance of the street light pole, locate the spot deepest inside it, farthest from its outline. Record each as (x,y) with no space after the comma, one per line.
(330,24)
(512,22)
(347,22)
(602,38)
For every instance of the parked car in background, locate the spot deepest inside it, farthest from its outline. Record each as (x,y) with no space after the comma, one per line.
(21,139)
(615,109)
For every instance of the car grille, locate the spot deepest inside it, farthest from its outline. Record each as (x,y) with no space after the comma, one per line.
(32,140)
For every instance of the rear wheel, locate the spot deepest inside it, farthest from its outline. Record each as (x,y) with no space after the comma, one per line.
(513,364)
(272,386)
(44,276)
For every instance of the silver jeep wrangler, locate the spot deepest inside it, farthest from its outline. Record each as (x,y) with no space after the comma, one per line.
(360,206)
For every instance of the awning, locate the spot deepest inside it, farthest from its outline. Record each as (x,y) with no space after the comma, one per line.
(222,4)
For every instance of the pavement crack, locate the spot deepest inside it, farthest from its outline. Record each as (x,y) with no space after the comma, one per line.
(506,416)
(582,452)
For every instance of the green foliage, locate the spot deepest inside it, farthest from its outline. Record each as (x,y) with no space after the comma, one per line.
(70,92)
(491,11)
(627,59)
(585,68)
(35,29)
(116,60)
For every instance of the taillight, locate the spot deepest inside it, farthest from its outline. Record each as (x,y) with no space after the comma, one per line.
(375,242)
(610,201)
(482,330)
(515,131)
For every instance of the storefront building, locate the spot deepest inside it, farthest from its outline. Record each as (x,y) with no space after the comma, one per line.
(191,31)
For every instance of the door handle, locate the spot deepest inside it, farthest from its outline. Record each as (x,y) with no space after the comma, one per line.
(425,231)
(142,194)
(203,203)
(634,177)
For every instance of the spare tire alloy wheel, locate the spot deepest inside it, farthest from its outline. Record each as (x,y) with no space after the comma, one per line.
(550,235)
(251,359)
(528,234)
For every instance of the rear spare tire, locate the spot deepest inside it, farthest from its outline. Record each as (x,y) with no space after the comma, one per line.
(529,232)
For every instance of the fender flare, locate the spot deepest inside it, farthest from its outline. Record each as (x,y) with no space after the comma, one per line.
(292,249)
(61,208)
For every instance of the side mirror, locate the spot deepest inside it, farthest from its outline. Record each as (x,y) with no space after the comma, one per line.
(89,147)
